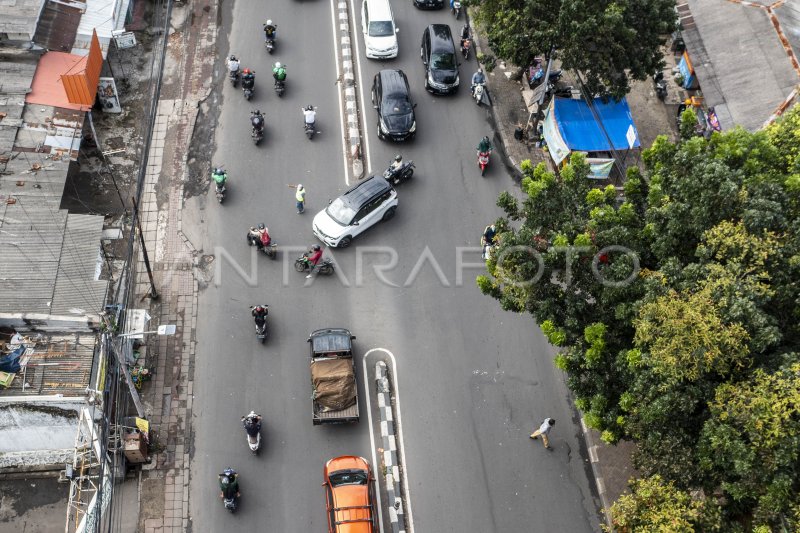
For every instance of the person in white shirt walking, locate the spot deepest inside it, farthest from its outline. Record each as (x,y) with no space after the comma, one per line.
(543,430)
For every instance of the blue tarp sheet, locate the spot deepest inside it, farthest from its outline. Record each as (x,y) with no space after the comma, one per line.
(10,362)
(580,130)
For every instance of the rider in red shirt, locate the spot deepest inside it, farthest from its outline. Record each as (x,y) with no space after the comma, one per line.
(314,258)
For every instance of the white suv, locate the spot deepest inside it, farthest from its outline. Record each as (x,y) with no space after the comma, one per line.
(362,206)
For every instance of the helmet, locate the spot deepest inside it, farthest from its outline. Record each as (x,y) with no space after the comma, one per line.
(299,185)
(233,58)
(269,22)
(315,247)
(252,413)
(398,158)
(246,71)
(277,64)
(225,480)
(493,227)
(261,227)
(309,107)
(486,138)
(480,71)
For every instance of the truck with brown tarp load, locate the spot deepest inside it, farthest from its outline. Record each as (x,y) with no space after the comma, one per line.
(334,398)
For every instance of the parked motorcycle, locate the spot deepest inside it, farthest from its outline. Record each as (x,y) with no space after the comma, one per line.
(229,498)
(257,123)
(220,178)
(536,76)
(477,93)
(483,161)
(457,9)
(660,86)
(395,176)
(252,426)
(302,264)
(560,90)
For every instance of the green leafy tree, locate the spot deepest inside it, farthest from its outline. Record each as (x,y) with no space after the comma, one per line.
(656,506)
(751,444)
(609,41)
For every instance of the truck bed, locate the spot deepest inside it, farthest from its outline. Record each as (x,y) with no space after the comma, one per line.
(349,414)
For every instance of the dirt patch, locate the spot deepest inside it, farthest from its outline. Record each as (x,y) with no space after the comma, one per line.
(152,500)
(202,146)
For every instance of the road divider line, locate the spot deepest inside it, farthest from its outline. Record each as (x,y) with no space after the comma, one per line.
(393,456)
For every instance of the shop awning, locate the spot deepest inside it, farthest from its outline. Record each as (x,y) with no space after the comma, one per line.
(570,126)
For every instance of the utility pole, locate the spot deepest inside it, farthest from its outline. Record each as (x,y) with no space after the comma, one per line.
(153,292)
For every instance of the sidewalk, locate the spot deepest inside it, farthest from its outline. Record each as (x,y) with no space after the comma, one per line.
(164,489)
(611,465)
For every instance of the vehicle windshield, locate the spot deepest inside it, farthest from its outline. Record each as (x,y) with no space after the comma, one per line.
(397,104)
(348,477)
(340,212)
(381,28)
(443,61)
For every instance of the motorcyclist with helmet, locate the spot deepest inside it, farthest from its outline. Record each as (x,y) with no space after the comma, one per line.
(314,258)
(485,146)
(259,313)
(229,484)
(270,31)
(233,67)
(259,236)
(257,121)
(309,115)
(279,71)
(252,423)
(248,79)
(477,79)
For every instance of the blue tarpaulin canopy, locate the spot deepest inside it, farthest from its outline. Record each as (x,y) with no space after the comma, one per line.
(571,126)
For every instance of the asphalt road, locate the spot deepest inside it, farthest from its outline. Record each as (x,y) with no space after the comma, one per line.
(474,381)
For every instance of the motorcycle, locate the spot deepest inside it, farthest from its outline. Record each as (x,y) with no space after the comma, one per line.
(395,176)
(660,86)
(269,44)
(220,188)
(302,264)
(466,44)
(248,86)
(230,503)
(280,87)
(560,90)
(253,429)
(457,9)
(234,76)
(483,161)
(257,131)
(309,127)
(477,93)
(270,250)
(261,325)
(536,76)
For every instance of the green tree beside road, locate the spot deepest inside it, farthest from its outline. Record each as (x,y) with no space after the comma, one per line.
(607,41)
(675,308)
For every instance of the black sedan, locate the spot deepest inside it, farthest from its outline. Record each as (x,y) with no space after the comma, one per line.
(391,98)
(429,4)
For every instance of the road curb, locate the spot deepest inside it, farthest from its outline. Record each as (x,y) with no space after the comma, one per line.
(591,447)
(348,85)
(391,462)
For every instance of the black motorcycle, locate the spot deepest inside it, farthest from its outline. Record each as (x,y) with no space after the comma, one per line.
(248,86)
(660,86)
(280,87)
(395,176)
(269,44)
(233,75)
(257,123)
(270,250)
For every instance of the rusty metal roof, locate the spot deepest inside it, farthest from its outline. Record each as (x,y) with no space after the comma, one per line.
(58,25)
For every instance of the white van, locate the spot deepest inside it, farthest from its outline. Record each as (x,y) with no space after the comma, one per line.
(380,33)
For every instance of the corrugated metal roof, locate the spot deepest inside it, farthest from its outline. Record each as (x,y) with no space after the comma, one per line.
(20,16)
(50,259)
(58,25)
(59,364)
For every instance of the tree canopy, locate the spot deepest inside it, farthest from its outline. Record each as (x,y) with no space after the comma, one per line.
(675,306)
(608,41)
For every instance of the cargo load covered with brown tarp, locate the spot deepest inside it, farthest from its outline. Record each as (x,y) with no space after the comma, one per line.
(334,383)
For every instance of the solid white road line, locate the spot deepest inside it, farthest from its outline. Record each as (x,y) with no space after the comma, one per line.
(399,436)
(342,111)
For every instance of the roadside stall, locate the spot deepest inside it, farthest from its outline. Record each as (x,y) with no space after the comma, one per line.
(599,129)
